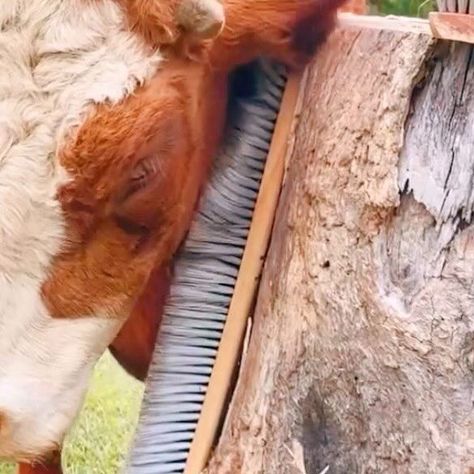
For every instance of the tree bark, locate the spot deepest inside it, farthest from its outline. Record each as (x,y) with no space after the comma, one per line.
(361,357)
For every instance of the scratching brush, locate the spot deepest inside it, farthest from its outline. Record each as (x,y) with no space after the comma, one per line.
(208,306)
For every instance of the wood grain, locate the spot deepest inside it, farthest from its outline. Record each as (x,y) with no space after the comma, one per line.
(387,23)
(452,26)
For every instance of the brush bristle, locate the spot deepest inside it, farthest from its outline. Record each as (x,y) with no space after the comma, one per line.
(456,6)
(205,274)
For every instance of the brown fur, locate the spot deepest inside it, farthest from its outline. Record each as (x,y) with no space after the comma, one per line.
(116,235)
(154,20)
(134,344)
(286,30)
(51,466)
(161,23)
(39,469)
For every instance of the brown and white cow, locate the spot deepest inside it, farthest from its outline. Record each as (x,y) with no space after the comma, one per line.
(107,129)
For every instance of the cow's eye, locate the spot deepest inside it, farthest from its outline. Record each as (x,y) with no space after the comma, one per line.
(151,185)
(142,196)
(145,171)
(129,226)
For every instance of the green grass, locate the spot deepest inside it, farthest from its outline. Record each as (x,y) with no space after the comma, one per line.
(403,7)
(100,438)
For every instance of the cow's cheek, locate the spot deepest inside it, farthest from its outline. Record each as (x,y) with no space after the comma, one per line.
(98,277)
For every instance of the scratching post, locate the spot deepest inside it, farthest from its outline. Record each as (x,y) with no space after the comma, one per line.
(361,354)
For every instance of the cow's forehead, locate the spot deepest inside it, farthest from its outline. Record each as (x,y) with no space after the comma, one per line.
(57,59)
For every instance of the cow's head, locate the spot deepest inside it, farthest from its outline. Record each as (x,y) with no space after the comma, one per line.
(95,186)
(102,153)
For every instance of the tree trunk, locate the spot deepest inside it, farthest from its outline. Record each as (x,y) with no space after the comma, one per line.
(361,357)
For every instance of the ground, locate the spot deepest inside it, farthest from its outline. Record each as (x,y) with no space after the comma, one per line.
(100,438)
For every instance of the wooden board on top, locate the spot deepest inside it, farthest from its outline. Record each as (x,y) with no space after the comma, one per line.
(452,26)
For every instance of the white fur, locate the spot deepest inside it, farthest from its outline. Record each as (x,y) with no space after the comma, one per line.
(57,59)
(45,367)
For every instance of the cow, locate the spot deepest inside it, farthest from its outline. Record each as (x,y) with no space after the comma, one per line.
(110,114)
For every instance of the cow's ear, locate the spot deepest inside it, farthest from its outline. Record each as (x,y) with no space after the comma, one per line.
(151,186)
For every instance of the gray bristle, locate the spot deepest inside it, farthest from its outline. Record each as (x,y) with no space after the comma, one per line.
(205,274)
(456,6)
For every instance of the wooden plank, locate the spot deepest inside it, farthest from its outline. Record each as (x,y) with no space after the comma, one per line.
(386,23)
(249,276)
(445,26)
(452,26)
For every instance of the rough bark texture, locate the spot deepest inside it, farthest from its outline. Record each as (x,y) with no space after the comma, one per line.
(362,350)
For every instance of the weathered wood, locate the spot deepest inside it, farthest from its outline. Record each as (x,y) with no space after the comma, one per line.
(452,26)
(361,356)
(398,24)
